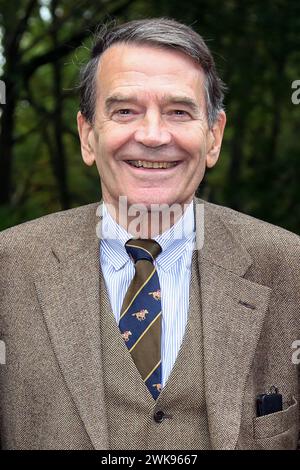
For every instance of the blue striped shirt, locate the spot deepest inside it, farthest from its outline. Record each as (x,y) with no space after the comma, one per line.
(174,271)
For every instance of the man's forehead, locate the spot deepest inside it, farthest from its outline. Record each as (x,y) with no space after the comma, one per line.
(124,53)
(123,66)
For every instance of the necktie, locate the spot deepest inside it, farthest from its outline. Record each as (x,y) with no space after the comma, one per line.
(140,319)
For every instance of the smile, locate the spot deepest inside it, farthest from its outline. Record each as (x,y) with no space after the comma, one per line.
(147,164)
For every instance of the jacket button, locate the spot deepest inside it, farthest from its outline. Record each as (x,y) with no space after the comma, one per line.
(159,416)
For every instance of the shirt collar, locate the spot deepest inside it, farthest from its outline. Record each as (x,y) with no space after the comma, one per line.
(174,241)
(179,238)
(113,239)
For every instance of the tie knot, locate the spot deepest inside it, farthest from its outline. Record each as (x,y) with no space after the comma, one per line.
(140,249)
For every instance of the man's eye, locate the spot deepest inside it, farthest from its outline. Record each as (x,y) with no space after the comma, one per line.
(123,114)
(124,111)
(180,113)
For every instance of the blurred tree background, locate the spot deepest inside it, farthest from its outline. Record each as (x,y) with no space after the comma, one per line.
(256,45)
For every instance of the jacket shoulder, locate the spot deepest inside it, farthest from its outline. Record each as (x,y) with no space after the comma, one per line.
(39,232)
(274,251)
(251,230)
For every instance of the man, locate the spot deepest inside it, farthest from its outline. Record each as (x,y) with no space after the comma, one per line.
(128,336)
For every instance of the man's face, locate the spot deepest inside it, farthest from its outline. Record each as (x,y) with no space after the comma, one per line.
(150,140)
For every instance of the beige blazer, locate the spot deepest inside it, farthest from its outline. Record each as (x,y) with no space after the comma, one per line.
(51,388)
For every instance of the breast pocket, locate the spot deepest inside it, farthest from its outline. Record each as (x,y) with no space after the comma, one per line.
(278,430)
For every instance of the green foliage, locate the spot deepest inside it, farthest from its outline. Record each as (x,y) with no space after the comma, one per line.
(257,49)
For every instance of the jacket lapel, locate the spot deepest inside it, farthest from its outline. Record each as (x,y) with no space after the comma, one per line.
(233,310)
(68,292)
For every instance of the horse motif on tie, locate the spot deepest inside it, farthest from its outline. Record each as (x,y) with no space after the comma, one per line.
(126,335)
(157,386)
(141,315)
(155,294)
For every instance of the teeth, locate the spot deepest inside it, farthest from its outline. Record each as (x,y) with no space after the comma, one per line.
(145,164)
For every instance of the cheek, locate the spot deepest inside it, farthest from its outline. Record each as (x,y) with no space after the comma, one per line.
(112,138)
(193,142)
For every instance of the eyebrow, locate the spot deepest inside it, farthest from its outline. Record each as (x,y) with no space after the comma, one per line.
(183,101)
(167,99)
(118,99)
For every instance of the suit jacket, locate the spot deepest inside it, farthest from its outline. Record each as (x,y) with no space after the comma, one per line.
(51,387)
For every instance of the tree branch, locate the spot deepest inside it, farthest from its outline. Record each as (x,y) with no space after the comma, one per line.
(15,41)
(61,50)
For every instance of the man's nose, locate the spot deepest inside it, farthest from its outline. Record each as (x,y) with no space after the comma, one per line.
(152,132)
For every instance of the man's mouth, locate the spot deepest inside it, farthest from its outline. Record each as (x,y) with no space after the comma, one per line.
(147,164)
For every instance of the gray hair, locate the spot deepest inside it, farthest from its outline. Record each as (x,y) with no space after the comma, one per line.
(161,32)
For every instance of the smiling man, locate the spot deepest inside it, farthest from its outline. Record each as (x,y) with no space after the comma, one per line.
(149,134)
(173,329)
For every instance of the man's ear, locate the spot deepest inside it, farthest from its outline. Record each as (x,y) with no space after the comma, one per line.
(86,135)
(216,133)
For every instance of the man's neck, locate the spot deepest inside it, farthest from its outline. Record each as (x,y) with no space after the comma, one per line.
(146,222)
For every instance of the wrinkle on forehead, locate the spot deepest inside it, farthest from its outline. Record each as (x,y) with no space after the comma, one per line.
(152,70)
(124,55)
